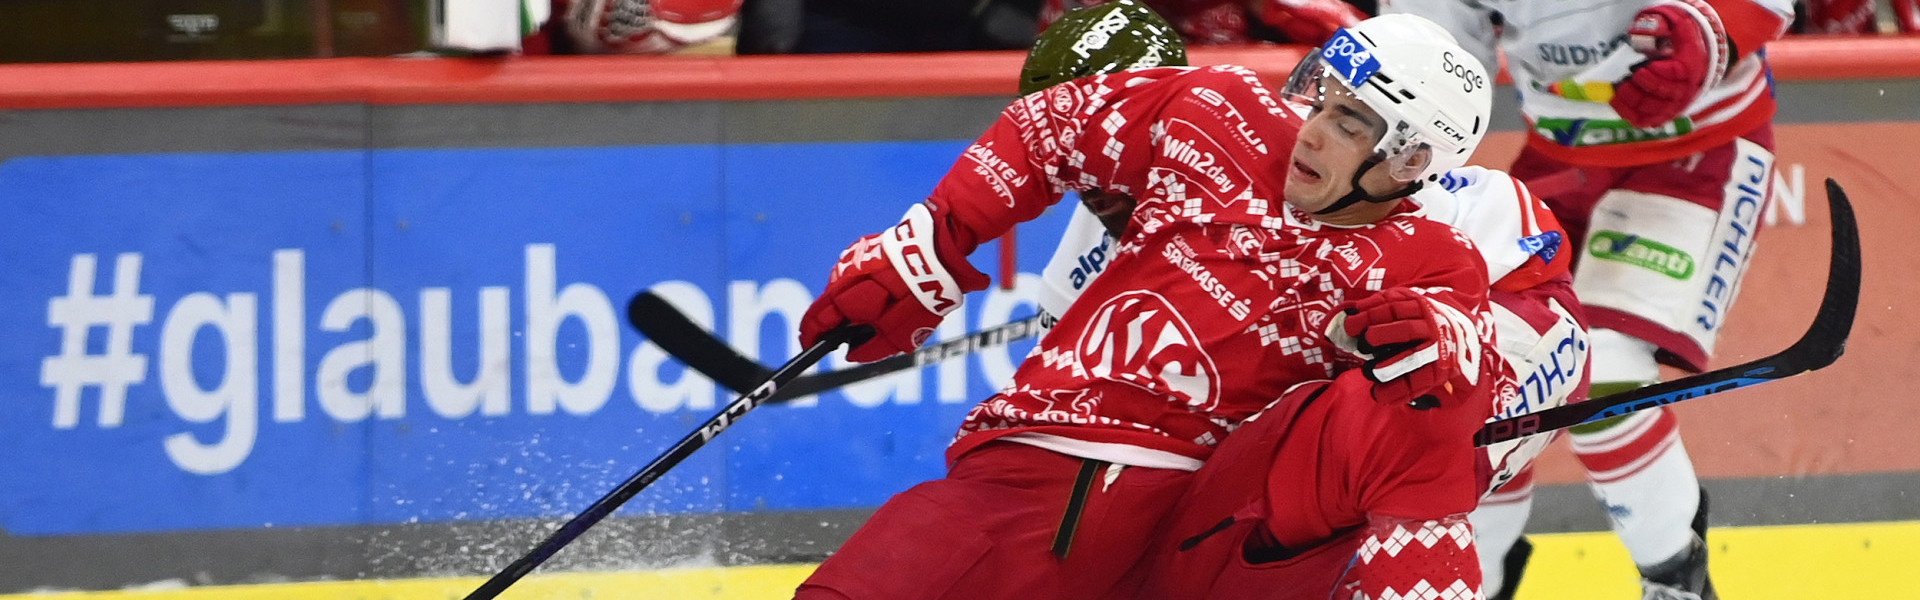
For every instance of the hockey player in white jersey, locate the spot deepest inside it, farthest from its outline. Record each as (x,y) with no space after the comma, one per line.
(1659,111)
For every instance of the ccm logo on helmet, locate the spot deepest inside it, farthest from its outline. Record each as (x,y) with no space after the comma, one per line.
(1470,80)
(1441,124)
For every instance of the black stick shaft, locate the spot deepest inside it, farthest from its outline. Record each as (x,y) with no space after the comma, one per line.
(1822,344)
(710,356)
(679,452)
(962,346)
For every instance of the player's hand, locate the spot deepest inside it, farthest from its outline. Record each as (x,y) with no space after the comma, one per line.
(1687,52)
(896,282)
(1415,347)
(1308,21)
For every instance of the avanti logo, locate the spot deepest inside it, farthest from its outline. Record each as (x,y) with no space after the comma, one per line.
(1601,132)
(1641,252)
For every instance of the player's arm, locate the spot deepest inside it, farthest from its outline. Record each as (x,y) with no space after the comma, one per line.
(903,280)
(1434,316)
(1750,24)
(1416,499)
(1690,45)
(1521,241)
(1096,133)
(1415,479)
(1422,339)
(1070,137)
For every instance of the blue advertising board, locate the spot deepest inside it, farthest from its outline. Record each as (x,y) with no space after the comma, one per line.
(221,341)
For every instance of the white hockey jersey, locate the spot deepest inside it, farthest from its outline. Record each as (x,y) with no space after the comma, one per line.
(1551,46)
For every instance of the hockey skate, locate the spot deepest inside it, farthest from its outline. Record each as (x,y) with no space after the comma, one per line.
(1683,577)
(1516,564)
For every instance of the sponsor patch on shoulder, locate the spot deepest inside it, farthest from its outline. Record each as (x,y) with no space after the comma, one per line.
(1545,245)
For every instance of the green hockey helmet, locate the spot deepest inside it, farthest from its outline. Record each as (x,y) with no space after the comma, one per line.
(1100,39)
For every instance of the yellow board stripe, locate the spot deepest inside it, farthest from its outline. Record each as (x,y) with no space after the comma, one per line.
(757,582)
(1855,560)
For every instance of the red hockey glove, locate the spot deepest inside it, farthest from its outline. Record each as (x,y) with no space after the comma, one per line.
(1414,346)
(1309,21)
(901,281)
(1687,52)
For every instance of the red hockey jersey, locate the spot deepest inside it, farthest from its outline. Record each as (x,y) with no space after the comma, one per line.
(1217,299)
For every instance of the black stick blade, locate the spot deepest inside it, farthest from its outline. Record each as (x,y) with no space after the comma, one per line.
(656,318)
(1826,340)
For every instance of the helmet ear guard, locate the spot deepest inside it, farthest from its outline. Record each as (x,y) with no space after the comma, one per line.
(1407,166)
(1405,156)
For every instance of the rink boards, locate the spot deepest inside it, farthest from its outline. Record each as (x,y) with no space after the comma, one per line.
(371,319)
(1866,560)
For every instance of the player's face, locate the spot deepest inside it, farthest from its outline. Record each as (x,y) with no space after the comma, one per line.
(1337,138)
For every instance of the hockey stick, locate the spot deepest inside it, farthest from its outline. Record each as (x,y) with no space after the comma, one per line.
(1820,346)
(679,452)
(706,354)
(1823,343)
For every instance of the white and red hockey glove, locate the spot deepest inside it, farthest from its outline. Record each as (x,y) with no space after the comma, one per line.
(1415,347)
(900,281)
(1308,21)
(1687,52)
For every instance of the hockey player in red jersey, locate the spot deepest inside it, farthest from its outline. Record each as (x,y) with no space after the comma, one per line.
(1291,505)
(1660,110)
(1256,225)
(1536,320)
(1536,317)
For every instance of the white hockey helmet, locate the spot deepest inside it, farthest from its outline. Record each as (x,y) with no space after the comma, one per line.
(1431,92)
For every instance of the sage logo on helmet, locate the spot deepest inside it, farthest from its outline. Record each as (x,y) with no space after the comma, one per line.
(1470,79)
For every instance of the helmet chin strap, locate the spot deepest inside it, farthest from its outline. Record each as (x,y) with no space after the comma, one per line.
(1359,193)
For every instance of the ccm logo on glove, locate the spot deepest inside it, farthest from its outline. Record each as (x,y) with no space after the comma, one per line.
(932,285)
(912,252)
(894,281)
